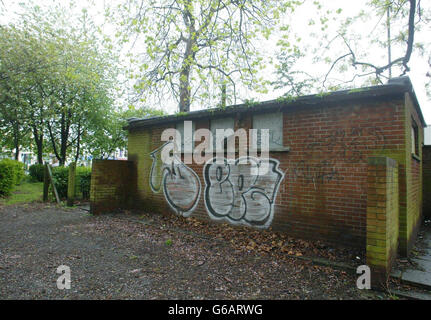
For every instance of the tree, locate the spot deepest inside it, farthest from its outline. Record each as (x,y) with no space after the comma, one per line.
(12,130)
(108,135)
(61,75)
(428,85)
(372,46)
(395,10)
(195,47)
(289,77)
(12,122)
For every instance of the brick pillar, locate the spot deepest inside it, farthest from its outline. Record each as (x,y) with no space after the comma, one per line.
(113,185)
(382,218)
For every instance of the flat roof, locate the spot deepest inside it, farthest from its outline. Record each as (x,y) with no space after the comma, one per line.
(395,87)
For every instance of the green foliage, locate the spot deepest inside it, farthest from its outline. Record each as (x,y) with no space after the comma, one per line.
(287,99)
(7,178)
(18,170)
(374,44)
(345,51)
(61,177)
(199,50)
(58,84)
(25,193)
(11,174)
(428,75)
(251,103)
(83,181)
(36,172)
(108,134)
(289,75)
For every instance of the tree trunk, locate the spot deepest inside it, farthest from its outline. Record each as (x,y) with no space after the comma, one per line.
(64,137)
(185,90)
(38,139)
(78,143)
(62,159)
(39,146)
(54,146)
(16,140)
(223,95)
(17,153)
(189,57)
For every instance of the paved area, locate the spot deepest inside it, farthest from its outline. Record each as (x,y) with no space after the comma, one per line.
(418,270)
(114,257)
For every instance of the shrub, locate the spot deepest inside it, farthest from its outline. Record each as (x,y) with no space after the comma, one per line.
(60,176)
(11,173)
(17,168)
(19,171)
(83,181)
(36,172)
(7,178)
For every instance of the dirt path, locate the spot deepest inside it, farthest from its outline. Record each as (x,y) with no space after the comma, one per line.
(112,257)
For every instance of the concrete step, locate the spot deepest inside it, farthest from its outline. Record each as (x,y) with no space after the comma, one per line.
(424,263)
(413,295)
(417,278)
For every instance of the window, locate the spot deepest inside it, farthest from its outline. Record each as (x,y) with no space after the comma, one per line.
(273,122)
(415,138)
(221,123)
(180,127)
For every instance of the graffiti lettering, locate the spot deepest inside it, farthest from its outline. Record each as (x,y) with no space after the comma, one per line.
(242,191)
(180,184)
(321,172)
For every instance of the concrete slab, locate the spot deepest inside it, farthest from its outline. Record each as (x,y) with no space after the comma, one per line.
(413,295)
(396,274)
(85,207)
(423,263)
(426,255)
(418,278)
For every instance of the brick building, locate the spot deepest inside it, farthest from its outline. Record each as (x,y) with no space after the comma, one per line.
(346,167)
(426,173)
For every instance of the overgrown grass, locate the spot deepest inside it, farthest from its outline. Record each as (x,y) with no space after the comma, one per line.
(24,193)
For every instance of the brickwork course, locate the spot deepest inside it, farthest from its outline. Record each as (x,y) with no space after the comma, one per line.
(382,217)
(112,185)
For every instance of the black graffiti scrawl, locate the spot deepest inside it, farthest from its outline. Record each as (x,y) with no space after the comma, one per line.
(180,184)
(242,191)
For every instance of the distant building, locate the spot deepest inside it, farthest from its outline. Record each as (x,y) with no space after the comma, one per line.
(27,157)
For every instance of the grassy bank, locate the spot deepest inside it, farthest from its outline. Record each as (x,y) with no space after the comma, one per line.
(24,193)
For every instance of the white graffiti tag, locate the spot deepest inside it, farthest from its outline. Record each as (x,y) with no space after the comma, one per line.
(242,191)
(180,184)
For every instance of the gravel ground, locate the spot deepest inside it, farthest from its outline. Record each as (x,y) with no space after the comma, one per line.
(115,257)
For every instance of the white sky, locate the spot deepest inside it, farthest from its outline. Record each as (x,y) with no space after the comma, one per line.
(427,140)
(299,24)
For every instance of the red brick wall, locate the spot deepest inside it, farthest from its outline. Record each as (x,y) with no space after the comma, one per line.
(411,189)
(427,181)
(324,191)
(113,184)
